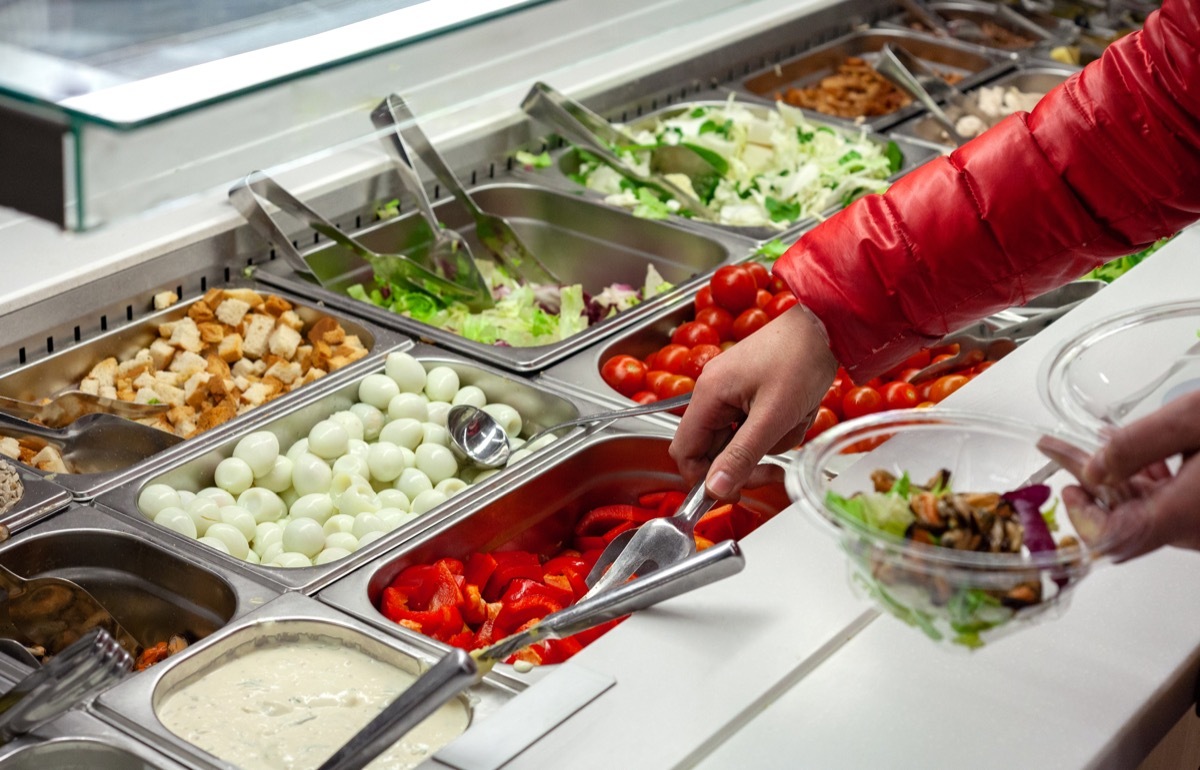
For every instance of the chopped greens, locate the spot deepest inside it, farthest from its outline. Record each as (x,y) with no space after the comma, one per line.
(1110,271)
(772,249)
(529,160)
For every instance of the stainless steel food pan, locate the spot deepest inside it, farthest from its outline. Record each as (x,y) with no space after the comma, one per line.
(535,513)
(80,741)
(96,472)
(1030,79)
(566,164)
(975,63)
(1062,31)
(153,589)
(132,705)
(582,241)
(39,499)
(539,405)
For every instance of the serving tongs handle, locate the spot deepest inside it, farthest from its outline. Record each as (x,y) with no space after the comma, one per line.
(245,198)
(384,116)
(907,73)
(585,128)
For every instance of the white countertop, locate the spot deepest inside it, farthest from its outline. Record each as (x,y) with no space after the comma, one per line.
(782,667)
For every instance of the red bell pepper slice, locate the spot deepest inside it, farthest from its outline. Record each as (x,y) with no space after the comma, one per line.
(479,568)
(510,566)
(664,503)
(528,600)
(454,565)
(589,543)
(569,569)
(600,520)
(611,535)
(474,608)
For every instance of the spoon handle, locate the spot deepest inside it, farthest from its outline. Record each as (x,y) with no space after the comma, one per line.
(616,414)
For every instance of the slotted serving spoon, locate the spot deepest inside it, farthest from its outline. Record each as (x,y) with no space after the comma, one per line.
(247,197)
(592,132)
(54,613)
(94,443)
(65,408)
(458,670)
(494,231)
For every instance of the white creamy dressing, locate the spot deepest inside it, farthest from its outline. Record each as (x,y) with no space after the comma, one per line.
(290,707)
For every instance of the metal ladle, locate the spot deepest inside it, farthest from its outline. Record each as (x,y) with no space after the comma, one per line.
(477,436)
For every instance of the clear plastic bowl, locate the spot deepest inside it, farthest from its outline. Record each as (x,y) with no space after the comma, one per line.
(1124,367)
(956,597)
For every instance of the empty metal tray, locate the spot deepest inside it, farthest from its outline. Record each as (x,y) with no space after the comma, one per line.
(79,741)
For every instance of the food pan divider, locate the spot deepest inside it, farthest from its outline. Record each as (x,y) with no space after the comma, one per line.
(50,374)
(1029,74)
(976,63)
(565,162)
(541,405)
(546,219)
(40,497)
(78,739)
(132,705)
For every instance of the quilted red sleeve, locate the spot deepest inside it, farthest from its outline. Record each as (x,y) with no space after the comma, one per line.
(1105,164)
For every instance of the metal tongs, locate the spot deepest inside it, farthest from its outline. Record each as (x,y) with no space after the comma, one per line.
(592,132)
(909,74)
(94,443)
(65,408)
(434,277)
(458,670)
(93,661)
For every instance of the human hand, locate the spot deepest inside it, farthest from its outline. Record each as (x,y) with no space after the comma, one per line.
(772,383)
(1147,505)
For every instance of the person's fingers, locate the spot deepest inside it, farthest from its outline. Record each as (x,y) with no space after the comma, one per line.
(1088,518)
(707,415)
(1166,432)
(793,437)
(764,474)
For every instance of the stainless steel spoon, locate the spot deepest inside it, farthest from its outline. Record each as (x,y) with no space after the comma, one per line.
(911,76)
(476,435)
(65,408)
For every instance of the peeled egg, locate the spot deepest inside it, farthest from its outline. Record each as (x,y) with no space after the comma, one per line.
(234,475)
(328,440)
(266,534)
(377,390)
(393,498)
(434,434)
(369,538)
(330,555)
(297,449)
(280,476)
(235,543)
(393,517)
(507,417)
(252,557)
(439,413)
(353,465)
(516,443)
(291,560)
(405,432)
(427,501)
(176,519)
(345,481)
(240,518)
(358,500)
(517,457)
(367,522)
(469,394)
(303,536)
(345,540)
(311,474)
(156,497)
(413,482)
(316,506)
(372,419)
(214,543)
(186,496)
(450,487)
(541,443)
(405,371)
(204,512)
(358,448)
(288,496)
(218,495)
(441,383)
(349,420)
(411,405)
(487,473)
(271,551)
(338,522)
(385,461)
(258,450)
(436,462)
(263,504)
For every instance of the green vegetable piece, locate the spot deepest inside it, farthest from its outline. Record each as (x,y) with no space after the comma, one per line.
(711,127)
(780,211)
(772,249)
(849,507)
(852,155)
(804,137)
(650,206)
(358,292)
(528,159)
(389,210)
(699,112)
(895,156)
(711,158)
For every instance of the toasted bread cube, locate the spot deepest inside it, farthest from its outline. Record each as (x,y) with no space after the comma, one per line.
(179,414)
(211,418)
(319,328)
(284,372)
(201,312)
(256,394)
(292,320)
(211,333)
(196,390)
(186,334)
(10,447)
(249,296)
(217,367)
(276,306)
(170,394)
(232,311)
(164,299)
(133,368)
(213,297)
(284,341)
(49,460)
(90,385)
(143,380)
(248,367)
(105,372)
(230,349)
(313,374)
(147,395)
(107,391)
(257,334)
(161,353)
(186,364)
(167,378)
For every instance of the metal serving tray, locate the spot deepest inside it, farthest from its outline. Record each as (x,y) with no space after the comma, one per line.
(536,513)
(582,241)
(1033,78)
(1063,31)
(80,741)
(975,63)
(62,370)
(539,405)
(39,498)
(132,705)
(152,588)
(566,162)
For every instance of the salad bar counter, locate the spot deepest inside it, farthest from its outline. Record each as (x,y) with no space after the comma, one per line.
(248,452)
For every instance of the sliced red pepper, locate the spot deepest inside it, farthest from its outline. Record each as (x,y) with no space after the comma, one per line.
(487,632)
(703,543)
(600,520)
(464,640)
(479,568)
(510,566)
(611,535)
(393,604)
(717,524)
(474,608)
(592,634)
(569,569)
(528,600)
(558,650)
(590,543)
(454,565)
(417,583)
(664,503)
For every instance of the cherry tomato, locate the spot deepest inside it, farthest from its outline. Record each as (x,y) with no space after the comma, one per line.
(780,304)
(625,374)
(749,322)
(733,288)
(983,366)
(925,404)
(942,350)
(824,420)
(760,274)
(762,297)
(694,333)
(777,285)
(861,400)
(944,386)
(720,319)
(677,386)
(644,397)
(906,375)
(900,395)
(918,360)
(698,359)
(671,357)
(655,378)
(833,399)
(923,390)
(704,298)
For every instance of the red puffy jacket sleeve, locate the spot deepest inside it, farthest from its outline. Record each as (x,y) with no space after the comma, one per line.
(1105,164)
